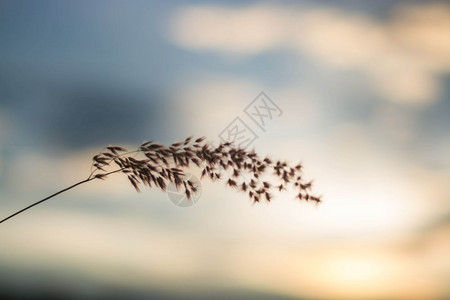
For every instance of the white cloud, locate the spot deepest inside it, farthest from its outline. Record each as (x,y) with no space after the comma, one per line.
(212,103)
(247,30)
(425,30)
(402,56)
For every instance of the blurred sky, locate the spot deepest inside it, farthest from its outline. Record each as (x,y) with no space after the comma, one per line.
(365,91)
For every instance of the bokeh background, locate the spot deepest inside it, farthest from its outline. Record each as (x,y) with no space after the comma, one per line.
(365,91)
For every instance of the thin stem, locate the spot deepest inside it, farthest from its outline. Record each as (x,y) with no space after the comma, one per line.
(45,199)
(130,152)
(109,173)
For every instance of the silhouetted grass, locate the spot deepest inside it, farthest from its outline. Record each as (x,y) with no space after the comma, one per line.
(156,165)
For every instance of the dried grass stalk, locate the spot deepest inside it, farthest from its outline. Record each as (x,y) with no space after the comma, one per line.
(154,164)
